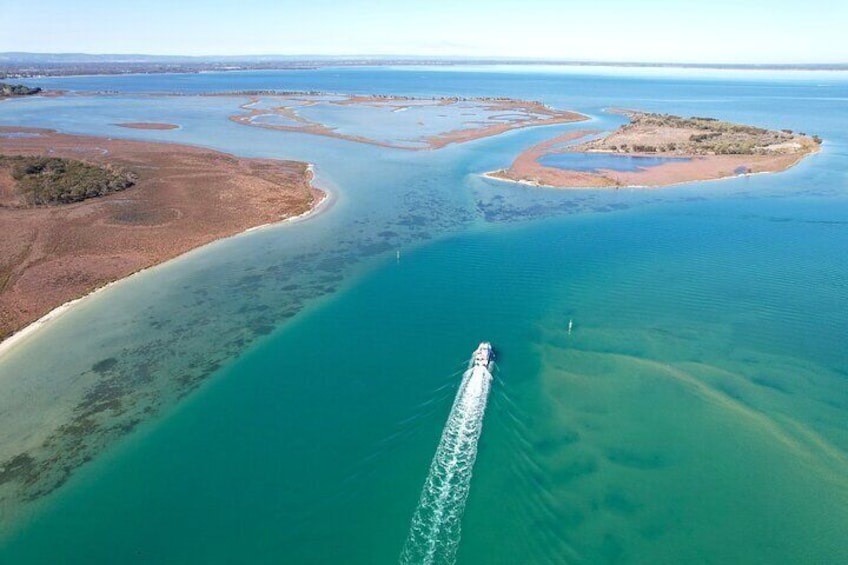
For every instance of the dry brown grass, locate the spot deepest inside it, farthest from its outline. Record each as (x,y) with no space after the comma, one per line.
(184,197)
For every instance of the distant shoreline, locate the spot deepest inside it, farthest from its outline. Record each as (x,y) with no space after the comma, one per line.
(34,65)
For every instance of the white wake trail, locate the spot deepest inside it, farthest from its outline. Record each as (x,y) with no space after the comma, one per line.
(435,530)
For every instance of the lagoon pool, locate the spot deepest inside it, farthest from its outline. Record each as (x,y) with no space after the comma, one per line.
(594,162)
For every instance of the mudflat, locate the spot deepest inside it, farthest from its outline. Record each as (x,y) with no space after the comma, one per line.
(147,125)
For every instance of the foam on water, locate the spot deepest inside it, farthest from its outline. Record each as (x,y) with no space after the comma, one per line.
(435,530)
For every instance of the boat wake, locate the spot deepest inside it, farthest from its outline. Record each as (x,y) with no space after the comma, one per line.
(435,530)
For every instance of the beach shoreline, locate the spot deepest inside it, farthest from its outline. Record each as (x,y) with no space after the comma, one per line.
(21,335)
(186,197)
(493,175)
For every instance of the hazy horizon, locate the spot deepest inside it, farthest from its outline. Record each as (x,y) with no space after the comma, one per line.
(50,57)
(654,31)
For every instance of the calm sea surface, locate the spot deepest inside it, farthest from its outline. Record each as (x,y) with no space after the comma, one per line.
(285,391)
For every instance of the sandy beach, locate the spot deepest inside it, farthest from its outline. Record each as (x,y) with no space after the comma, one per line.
(185,197)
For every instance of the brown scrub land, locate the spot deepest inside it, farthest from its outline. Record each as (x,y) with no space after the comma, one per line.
(182,197)
(710,150)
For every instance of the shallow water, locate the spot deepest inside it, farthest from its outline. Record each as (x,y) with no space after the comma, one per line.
(395,122)
(594,162)
(288,388)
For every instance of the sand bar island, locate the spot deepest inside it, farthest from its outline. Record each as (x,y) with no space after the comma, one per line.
(656,150)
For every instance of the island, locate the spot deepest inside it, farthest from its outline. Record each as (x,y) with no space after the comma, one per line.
(655,150)
(78,212)
(398,122)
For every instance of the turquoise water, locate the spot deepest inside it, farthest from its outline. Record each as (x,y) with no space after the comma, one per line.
(593,162)
(696,413)
(436,527)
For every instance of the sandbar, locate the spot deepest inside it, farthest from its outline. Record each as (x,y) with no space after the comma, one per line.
(184,197)
(147,125)
(522,114)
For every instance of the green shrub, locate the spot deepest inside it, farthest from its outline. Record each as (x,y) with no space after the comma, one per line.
(17,90)
(52,180)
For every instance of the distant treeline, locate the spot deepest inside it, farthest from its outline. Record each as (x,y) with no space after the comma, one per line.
(52,180)
(11,70)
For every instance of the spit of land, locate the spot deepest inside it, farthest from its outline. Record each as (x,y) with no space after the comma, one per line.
(181,197)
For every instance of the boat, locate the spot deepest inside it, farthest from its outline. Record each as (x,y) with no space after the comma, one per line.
(484,355)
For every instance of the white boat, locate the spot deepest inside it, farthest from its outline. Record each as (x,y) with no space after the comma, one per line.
(484,355)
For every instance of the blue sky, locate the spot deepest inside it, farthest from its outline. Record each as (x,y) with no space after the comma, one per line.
(721,31)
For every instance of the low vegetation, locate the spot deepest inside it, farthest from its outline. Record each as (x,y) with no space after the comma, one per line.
(52,180)
(17,90)
(664,133)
